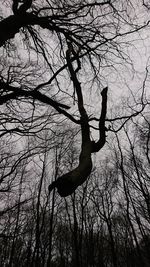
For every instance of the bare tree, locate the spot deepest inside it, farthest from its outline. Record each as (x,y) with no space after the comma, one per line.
(50,40)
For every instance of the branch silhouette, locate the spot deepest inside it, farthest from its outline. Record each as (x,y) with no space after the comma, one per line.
(67,183)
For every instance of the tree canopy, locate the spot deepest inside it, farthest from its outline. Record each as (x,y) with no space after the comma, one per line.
(55,52)
(74,133)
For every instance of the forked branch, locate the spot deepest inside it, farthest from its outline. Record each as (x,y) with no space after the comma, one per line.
(67,183)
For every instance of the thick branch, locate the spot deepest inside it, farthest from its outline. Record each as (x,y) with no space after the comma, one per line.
(102,129)
(76,83)
(67,183)
(15,93)
(12,25)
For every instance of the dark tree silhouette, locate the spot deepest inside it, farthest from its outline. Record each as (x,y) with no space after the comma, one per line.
(78,32)
(67,183)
